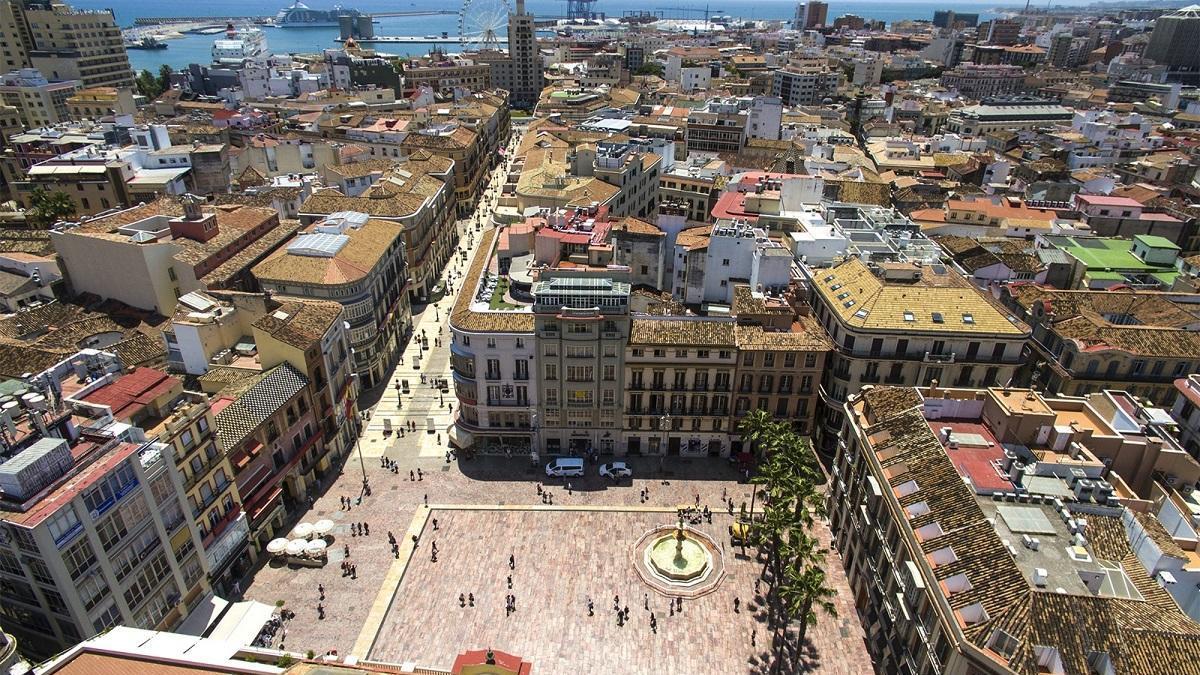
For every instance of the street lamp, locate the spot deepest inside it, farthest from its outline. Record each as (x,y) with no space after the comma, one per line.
(533,438)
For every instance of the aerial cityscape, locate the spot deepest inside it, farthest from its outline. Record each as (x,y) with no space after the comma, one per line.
(517,337)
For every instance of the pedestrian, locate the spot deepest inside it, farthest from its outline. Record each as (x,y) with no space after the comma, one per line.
(414,540)
(411,475)
(346,549)
(568,487)
(471,599)
(724,494)
(353,571)
(591,608)
(617,602)
(757,586)
(462,600)
(678,604)
(320,611)
(367,529)
(672,608)
(653,623)
(512,562)
(737,602)
(435,525)
(550,499)
(754,638)
(697,500)
(321,590)
(510,582)
(646,601)
(420,474)
(426,499)
(433,556)
(626,612)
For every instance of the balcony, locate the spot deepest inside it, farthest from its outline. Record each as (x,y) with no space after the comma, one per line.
(930,357)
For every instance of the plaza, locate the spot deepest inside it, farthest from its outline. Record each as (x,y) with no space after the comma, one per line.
(400,606)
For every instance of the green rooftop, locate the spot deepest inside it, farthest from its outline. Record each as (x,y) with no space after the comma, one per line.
(1155,241)
(1105,253)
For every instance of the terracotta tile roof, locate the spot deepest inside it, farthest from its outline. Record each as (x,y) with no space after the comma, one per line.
(268,393)
(1140,637)
(463,318)
(631,225)
(366,247)
(1148,307)
(694,238)
(862,299)
(697,332)
(300,323)
(91,663)
(805,335)
(36,339)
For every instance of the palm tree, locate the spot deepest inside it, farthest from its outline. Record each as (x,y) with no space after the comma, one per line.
(47,208)
(805,589)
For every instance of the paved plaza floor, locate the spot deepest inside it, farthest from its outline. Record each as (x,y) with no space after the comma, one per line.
(563,555)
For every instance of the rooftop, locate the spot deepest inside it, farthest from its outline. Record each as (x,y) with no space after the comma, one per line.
(940,301)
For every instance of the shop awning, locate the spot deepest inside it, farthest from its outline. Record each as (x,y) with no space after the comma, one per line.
(461,437)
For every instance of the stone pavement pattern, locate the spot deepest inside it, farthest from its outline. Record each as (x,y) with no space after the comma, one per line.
(473,552)
(562,559)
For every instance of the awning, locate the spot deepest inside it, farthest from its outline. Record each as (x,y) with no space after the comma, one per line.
(207,612)
(460,437)
(243,622)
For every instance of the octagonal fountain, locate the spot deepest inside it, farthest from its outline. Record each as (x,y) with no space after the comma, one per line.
(678,561)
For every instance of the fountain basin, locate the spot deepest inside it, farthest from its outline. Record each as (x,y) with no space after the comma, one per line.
(689,562)
(687,569)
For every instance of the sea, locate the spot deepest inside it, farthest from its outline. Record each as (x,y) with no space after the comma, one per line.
(197,48)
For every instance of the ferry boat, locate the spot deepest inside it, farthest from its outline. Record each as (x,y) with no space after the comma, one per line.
(300,15)
(239,45)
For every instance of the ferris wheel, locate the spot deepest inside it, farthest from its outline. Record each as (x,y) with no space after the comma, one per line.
(483,24)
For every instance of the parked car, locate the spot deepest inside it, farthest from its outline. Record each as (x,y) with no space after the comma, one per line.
(616,470)
(565,466)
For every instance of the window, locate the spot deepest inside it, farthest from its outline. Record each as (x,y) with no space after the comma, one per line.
(551,371)
(748,359)
(610,372)
(769,360)
(64,525)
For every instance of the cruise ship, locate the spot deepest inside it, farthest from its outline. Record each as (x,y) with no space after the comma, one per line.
(239,45)
(300,15)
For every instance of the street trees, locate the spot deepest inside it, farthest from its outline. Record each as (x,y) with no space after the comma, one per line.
(793,559)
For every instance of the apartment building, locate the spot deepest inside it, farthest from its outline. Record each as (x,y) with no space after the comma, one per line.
(94,513)
(446,74)
(40,102)
(979,81)
(629,167)
(94,103)
(678,378)
(461,145)
(358,262)
(1087,341)
(416,194)
(1185,412)
(158,251)
(494,358)
(210,330)
(951,510)
(693,185)
(183,424)
(65,43)
(581,323)
(782,354)
(805,85)
(983,119)
(267,426)
(908,325)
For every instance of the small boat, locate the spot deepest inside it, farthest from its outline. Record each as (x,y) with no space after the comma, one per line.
(148,42)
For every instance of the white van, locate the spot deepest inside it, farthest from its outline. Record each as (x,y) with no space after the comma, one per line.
(565,466)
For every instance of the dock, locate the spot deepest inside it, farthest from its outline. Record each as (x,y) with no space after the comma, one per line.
(416,40)
(222,20)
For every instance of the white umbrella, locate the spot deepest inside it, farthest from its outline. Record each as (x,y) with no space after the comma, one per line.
(296,546)
(323,527)
(302,531)
(277,546)
(315,547)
